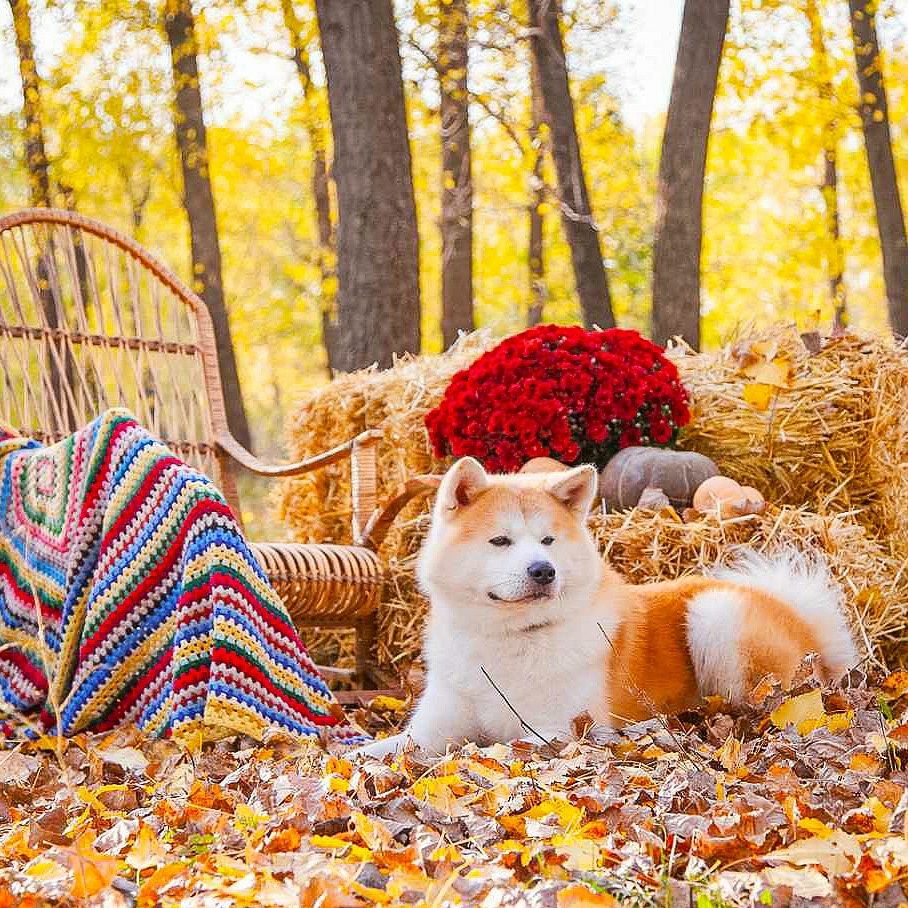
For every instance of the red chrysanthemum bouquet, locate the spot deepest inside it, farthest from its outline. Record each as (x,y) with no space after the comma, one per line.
(563,392)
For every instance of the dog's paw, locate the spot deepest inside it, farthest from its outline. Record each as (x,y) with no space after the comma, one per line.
(382,747)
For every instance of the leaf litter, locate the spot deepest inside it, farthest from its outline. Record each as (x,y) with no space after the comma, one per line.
(799,798)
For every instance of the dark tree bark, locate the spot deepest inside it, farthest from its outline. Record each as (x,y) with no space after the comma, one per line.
(321,194)
(829,185)
(59,362)
(679,206)
(537,198)
(830,190)
(456,174)
(878,143)
(579,227)
(35,153)
(377,242)
(189,125)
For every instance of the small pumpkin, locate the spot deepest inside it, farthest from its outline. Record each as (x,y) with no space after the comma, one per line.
(727,497)
(677,473)
(543,465)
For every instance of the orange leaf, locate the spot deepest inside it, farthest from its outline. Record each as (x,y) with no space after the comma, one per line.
(149,893)
(577,896)
(147,850)
(92,871)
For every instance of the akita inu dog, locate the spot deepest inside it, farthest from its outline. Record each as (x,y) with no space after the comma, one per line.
(528,628)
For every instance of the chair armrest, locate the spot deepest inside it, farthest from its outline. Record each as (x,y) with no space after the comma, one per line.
(377,526)
(230,446)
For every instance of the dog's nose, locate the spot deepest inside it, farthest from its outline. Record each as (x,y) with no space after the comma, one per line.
(543,572)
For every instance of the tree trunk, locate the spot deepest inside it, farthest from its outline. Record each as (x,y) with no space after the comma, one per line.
(320,186)
(35,153)
(829,186)
(679,205)
(579,227)
(877,141)
(198,200)
(377,242)
(456,176)
(58,355)
(537,199)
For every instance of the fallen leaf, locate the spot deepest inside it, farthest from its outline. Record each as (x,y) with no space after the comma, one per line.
(805,712)
(837,853)
(579,896)
(147,850)
(128,758)
(92,871)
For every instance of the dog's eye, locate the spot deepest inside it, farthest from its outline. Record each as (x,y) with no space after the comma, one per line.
(500,541)
(548,540)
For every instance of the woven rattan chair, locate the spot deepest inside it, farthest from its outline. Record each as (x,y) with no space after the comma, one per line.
(89,320)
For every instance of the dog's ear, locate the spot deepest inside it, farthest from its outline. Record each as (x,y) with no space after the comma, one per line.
(576,488)
(462,483)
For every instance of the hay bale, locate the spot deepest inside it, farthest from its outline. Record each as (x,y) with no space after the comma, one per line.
(835,440)
(317,506)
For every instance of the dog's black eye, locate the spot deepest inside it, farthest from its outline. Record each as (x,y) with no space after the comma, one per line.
(548,540)
(500,540)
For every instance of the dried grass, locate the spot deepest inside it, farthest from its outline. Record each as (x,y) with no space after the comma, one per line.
(835,442)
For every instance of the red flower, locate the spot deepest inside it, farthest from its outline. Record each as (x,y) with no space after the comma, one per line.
(562,392)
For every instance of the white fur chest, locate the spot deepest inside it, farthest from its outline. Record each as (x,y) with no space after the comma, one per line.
(548,674)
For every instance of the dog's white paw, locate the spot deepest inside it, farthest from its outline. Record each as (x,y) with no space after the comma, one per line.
(383,747)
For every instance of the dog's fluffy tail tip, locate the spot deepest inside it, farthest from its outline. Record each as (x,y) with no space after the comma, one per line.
(804,581)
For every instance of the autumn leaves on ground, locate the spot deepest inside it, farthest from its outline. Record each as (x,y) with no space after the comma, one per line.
(799,798)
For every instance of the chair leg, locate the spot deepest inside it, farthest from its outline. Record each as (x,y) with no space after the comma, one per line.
(366,632)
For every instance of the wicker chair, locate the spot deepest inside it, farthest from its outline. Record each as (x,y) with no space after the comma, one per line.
(89,320)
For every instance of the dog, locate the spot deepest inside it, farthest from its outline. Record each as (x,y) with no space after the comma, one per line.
(528,628)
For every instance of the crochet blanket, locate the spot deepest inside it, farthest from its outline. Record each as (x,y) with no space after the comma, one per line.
(132,570)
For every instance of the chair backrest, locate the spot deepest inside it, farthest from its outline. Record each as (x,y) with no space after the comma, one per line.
(90,320)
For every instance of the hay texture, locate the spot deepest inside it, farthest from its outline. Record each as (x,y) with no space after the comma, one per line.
(826,429)
(396,400)
(824,435)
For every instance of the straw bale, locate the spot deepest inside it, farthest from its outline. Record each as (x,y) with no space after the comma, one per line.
(831,450)
(836,440)
(317,506)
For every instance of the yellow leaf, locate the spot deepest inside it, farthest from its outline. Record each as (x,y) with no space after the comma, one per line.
(758,396)
(246,818)
(373,832)
(44,870)
(569,816)
(817,827)
(777,372)
(448,853)
(865,763)
(805,712)
(379,896)
(382,701)
(839,721)
(334,843)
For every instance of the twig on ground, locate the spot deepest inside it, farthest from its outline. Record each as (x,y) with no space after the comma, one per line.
(523,723)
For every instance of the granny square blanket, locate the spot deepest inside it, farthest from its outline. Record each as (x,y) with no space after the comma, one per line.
(128,594)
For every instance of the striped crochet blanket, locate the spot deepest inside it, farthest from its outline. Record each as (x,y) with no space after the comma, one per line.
(152,610)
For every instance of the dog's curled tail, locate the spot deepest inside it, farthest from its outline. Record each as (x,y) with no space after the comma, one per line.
(804,582)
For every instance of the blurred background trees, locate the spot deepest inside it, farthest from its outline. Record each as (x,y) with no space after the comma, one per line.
(351,181)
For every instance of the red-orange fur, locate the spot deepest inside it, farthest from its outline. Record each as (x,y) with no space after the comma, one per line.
(650,668)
